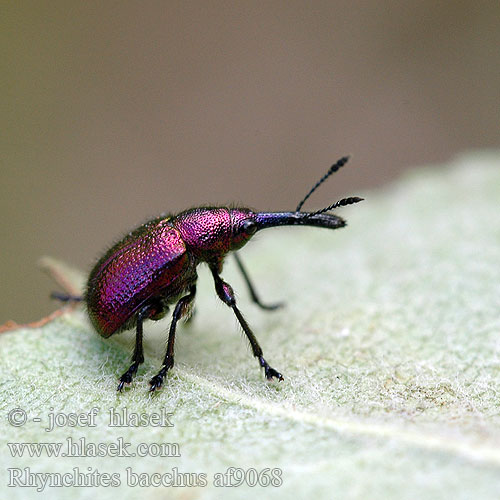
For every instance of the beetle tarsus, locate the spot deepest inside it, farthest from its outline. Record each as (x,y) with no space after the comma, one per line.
(126,378)
(271,307)
(157,381)
(269,371)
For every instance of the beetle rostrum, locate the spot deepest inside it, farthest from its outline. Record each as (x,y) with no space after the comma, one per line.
(154,267)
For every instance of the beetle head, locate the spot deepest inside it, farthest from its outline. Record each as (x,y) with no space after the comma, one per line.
(244,225)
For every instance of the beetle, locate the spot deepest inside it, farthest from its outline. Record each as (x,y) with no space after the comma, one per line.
(154,266)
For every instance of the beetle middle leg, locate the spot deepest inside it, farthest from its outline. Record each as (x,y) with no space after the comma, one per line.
(226,294)
(181,308)
(251,288)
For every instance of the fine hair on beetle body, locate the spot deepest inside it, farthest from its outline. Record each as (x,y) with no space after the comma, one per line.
(154,267)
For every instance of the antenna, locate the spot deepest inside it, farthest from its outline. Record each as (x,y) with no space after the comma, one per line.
(336,166)
(341,203)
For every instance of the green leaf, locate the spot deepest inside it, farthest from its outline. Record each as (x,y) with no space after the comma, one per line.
(389,344)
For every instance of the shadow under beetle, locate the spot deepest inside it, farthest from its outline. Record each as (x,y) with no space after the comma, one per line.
(155,266)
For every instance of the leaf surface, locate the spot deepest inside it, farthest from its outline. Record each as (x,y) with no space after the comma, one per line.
(389,344)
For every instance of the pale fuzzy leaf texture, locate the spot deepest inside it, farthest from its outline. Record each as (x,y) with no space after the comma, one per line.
(389,344)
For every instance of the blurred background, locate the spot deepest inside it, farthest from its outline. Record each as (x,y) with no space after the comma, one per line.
(114,112)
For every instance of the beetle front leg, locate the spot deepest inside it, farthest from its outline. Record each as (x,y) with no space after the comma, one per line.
(226,294)
(168,362)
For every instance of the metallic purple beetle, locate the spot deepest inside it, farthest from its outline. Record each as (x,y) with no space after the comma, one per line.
(155,266)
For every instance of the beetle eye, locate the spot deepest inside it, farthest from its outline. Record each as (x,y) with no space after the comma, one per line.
(249,227)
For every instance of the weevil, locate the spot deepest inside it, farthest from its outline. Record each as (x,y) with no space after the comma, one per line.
(154,267)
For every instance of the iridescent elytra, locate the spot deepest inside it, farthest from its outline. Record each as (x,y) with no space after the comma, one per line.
(154,266)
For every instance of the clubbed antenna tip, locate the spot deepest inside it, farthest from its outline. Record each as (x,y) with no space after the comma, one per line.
(341,203)
(336,166)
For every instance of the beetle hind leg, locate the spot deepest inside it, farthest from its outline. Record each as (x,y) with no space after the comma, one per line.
(152,311)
